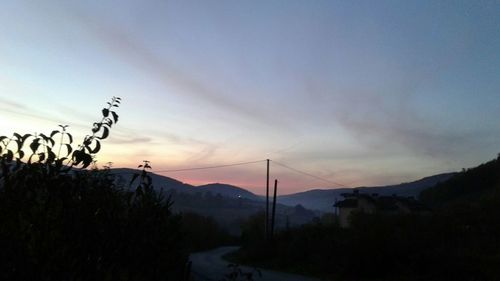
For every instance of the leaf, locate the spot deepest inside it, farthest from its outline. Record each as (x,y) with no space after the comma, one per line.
(43,136)
(34,145)
(87,160)
(139,166)
(10,155)
(105,133)
(97,147)
(26,136)
(77,157)
(20,153)
(80,157)
(41,156)
(29,159)
(19,144)
(51,157)
(87,141)
(69,148)
(105,112)
(70,137)
(48,140)
(115,116)
(18,136)
(108,122)
(54,132)
(97,127)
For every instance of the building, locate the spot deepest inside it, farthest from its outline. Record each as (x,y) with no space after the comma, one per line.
(373,203)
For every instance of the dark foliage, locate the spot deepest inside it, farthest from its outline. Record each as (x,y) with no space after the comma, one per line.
(62,223)
(459,241)
(448,246)
(82,227)
(477,185)
(203,233)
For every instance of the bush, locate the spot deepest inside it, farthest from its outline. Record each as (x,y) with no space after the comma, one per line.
(62,223)
(458,244)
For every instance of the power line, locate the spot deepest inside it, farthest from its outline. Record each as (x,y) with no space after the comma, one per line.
(251,162)
(308,174)
(209,167)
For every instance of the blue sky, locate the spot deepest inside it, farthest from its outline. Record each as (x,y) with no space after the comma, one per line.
(358,92)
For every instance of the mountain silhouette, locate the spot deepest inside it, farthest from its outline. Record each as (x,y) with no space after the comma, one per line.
(227,190)
(323,199)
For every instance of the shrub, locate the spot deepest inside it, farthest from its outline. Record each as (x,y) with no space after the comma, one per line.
(62,223)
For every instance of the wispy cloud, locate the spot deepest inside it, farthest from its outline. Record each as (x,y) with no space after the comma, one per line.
(10,106)
(385,125)
(133,52)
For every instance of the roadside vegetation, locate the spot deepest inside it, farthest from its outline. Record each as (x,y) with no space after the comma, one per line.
(63,219)
(458,240)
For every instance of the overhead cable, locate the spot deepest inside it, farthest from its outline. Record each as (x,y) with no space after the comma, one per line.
(209,167)
(308,174)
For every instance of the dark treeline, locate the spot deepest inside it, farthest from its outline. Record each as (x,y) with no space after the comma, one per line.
(458,240)
(231,212)
(59,221)
(82,227)
(477,186)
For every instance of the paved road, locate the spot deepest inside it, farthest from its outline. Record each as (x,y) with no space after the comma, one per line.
(209,266)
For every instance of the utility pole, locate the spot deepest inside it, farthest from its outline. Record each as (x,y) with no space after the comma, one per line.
(267,202)
(274,208)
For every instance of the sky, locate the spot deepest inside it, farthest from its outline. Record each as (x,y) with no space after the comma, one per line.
(357,93)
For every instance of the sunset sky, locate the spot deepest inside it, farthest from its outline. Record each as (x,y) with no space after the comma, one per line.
(355,92)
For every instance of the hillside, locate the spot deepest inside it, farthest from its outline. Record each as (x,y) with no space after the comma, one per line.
(227,190)
(317,199)
(471,186)
(159,181)
(169,184)
(323,199)
(229,205)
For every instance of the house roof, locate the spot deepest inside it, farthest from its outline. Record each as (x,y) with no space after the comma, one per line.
(382,203)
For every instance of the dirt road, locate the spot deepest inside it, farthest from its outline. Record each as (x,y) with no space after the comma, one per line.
(209,266)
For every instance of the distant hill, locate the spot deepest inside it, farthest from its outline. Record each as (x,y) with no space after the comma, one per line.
(227,204)
(159,181)
(472,186)
(167,183)
(409,189)
(227,190)
(323,199)
(316,199)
